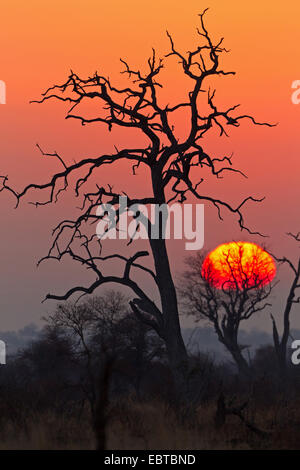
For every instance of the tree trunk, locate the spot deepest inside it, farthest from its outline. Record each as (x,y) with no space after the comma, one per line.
(100,415)
(228,336)
(176,350)
(240,361)
(280,346)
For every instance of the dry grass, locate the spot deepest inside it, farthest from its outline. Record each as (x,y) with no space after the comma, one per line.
(154,425)
(48,431)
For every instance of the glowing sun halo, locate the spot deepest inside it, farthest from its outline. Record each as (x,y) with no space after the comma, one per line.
(238,265)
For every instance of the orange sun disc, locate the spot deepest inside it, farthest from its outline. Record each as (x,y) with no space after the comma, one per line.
(238,265)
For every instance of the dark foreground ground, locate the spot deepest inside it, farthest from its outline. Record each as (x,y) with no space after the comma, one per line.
(154,425)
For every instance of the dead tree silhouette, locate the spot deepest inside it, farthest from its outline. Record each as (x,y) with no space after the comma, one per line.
(281,342)
(169,160)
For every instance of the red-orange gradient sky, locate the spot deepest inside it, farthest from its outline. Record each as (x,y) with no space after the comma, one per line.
(42,41)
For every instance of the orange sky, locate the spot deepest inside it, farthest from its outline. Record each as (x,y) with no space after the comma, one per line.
(42,41)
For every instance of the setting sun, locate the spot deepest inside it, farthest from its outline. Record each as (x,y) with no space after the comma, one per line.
(238,265)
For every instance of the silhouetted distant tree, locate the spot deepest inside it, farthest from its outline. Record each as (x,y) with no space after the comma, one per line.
(82,322)
(103,330)
(226,306)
